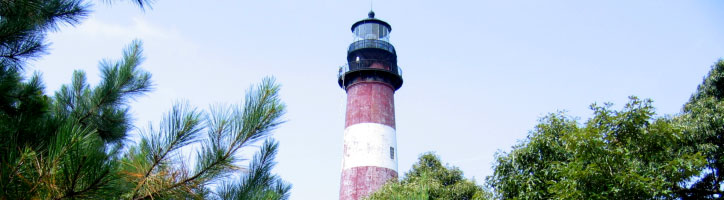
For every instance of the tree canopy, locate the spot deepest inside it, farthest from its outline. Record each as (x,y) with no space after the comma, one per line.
(621,154)
(704,133)
(430,179)
(617,154)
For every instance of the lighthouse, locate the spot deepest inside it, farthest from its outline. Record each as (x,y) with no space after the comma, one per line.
(370,79)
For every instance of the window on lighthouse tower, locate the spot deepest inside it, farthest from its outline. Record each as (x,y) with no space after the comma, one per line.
(392,153)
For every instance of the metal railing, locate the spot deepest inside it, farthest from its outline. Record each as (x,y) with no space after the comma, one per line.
(345,68)
(342,70)
(379,44)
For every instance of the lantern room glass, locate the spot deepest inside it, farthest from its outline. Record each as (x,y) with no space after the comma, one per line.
(371,31)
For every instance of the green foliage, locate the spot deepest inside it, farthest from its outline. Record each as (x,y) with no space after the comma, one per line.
(703,118)
(626,154)
(526,169)
(76,159)
(255,184)
(430,179)
(104,108)
(26,126)
(23,110)
(23,24)
(69,146)
(155,168)
(67,156)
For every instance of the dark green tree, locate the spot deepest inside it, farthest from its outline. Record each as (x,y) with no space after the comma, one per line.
(24,23)
(524,172)
(69,146)
(34,137)
(703,117)
(430,179)
(617,154)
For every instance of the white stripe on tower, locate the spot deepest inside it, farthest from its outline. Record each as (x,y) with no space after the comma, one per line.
(370,144)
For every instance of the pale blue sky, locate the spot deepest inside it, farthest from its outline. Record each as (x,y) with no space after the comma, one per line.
(478,74)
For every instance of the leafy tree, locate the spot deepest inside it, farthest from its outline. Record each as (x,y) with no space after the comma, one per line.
(626,154)
(523,173)
(69,146)
(429,179)
(702,116)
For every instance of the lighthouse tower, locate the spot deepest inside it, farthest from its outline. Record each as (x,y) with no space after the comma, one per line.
(370,79)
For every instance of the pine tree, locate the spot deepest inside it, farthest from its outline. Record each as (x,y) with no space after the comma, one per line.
(155,167)
(71,145)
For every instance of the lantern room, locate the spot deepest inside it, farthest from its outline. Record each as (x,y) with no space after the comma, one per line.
(371,29)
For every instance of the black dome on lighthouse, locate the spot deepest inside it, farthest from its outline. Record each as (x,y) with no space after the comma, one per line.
(371,19)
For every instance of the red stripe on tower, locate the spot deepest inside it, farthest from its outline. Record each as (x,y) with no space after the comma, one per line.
(370,102)
(370,78)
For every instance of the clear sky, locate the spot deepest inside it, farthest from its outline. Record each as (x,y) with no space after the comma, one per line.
(478,74)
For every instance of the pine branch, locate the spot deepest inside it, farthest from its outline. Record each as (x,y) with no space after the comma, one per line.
(16,168)
(69,142)
(141,3)
(121,81)
(225,158)
(260,114)
(24,24)
(183,125)
(258,181)
(94,185)
(76,175)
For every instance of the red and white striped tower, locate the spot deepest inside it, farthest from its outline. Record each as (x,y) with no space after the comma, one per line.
(370,79)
